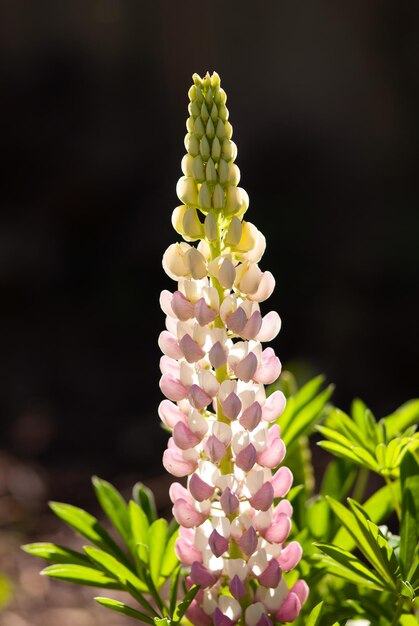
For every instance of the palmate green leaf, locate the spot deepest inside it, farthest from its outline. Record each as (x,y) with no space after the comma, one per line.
(378,507)
(82,575)
(346,453)
(369,540)
(56,554)
(304,418)
(114,506)
(89,527)
(115,568)
(314,618)
(409,532)
(157,539)
(144,497)
(183,606)
(405,416)
(345,565)
(120,607)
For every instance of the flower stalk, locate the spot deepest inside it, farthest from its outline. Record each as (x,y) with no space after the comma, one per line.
(233,515)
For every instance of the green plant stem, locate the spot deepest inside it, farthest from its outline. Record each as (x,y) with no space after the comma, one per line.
(398,612)
(361,483)
(394,497)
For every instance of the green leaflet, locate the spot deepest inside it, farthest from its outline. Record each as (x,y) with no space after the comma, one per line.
(56,554)
(409,532)
(347,566)
(157,539)
(315,615)
(82,575)
(120,607)
(114,506)
(115,567)
(144,497)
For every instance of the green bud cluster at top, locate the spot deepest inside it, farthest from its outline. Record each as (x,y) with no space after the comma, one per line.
(210,176)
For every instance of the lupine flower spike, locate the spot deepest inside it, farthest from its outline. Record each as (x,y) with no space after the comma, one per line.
(233,516)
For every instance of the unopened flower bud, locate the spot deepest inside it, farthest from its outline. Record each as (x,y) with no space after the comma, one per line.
(191,224)
(187,191)
(197,265)
(198,171)
(228,150)
(216,149)
(210,171)
(194,108)
(210,227)
(237,200)
(234,232)
(214,113)
(223,112)
(208,97)
(228,130)
(205,197)
(192,93)
(223,171)
(204,148)
(186,165)
(220,130)
(210,130)
(215,80)
(192,144)
(204,113)
(190,124)
(198,128)
(218,198)
(177,218)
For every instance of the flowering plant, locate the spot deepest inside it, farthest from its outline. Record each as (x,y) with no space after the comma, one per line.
(250,541)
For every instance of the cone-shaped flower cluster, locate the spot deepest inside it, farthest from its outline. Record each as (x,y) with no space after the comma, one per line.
(233,516)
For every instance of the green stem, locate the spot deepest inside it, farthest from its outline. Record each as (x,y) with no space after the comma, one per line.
(394,497)
(398,612)
(361,483)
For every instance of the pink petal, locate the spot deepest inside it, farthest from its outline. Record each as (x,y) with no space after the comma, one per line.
(169,345)
(169,366)
(184,438)
(290,608)
(246,368)
(271,576)
(166,302)
(271,325)
(282,482)
(172,388)
(176,465)
(290,556)
(186,552)
(248,541)
(263,498)
(269,368)
(237,589)
(198,398)
(232,406)
(182,308)
(201,576)
(283,507)
(279,530)
(203,313)
(215,448)
(186,515)
(190,349)
(301,590)
(252,326)
(177,492)
(197,616)
(170,414)
(229,501)
(217,355)
(250,417)
(199,489)
(246,458)
(265,289)
(274,406)
(236,321)
(217,543)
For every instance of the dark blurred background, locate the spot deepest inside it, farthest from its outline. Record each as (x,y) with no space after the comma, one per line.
(324,101)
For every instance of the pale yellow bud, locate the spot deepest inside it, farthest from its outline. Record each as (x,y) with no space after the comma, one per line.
(220,132)
(208,97)
(223,112)
(198,128)
(190,123)
(177,219)
(194,108)
(187,191)
(223,171)
(198,169)
(204,148)
(197,264)
(192,144)
(234,233)
(216,149)
(210,226)
(228,130)
(218,198)
(186,165)
(210,130)
(228,150)
(215,80)
(192,92)
(237,200)
(205,197)
(204,113)
(191,225)
(214,113)
(222,96)
(197,79)
(234,174)
(207,81)
(210,171)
